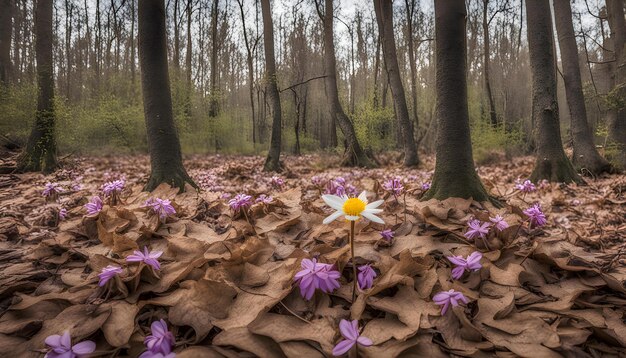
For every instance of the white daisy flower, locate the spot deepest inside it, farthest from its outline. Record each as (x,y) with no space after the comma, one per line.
(353,208)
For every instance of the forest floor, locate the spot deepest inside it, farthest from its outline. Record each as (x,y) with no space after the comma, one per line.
(226,282)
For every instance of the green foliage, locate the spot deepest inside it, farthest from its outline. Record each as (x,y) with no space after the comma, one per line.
(489,142)
(375,127)
(17,107)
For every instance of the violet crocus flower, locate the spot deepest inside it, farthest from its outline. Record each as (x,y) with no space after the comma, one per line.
(148,354)
(394,186)
(447,298)
(161,207)
(264,199)
(471,263)
(240,201)
(160,341)
(477,229)
(366,276)
(52,190)
(350,332)
(317,180)
(426,186)
(94,206)
(148,257)
(526,186)
(61,347)
(113,188)
(387,234)
(499,222)
(108,273)
(277,182)
(62,214)
(536,216)
(316,275)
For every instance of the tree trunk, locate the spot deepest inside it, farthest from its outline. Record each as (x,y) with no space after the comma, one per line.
(249,49)
(188,55)
(354,156)
(40,153)
(176,54)
(213,101)
(617,114)
(132,42)
(486,52)
(272,163)
(384,17)
(165,155)
(585,157)
(551,163)
(410,12)
(455,175)
(6,27)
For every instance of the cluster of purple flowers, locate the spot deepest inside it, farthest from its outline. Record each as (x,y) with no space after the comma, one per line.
(471,263)
(94,206)
(61,347)
(340,187)
(208,181)
(161,207)
(264,199)
(526,186)
(113,189)
(239,202)
(277,182)
(315,275)
(159,343)
(477,228)
(536,217)
(52,190)
(394,186)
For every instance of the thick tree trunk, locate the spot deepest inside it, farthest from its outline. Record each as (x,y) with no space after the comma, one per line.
(213,101)
(40,153)
(165,155)
(552,163)
(617,114)
(6,27)
(354,156)
(486,52)
(272,163)
(384,17)
(410,12)
(585,158)
(455,175)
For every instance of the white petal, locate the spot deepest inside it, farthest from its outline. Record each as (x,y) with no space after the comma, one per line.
(352,218)
(363,196)
(372,217)
(333,217)
(373,211)
(375,204)
(333,201)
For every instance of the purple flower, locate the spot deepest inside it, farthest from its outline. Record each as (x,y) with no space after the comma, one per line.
(445,298)
(161,207)
(94,206)
(149,258)
(61,347)
(477,229)
(536,216)
(394,186)
(52,190)
(317,180)
(350,190)
(108,273)
(277,182)
(426,186)
(316,275)
(338,187)
(525,187)
(366,277)
(113,188)
(387,234)
(499,222)
(160,341)
(240,201)
(148,354)
(62,213)
(350,332)
(265,199)
(472,263)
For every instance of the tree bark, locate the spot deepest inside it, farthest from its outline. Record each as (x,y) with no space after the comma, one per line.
(213,101)
(410,13)
(40,153)
(617,113)
(486,52)
(188,55)
(272,163)
(455,174)
(6,28)
(166,160)
(354,155)
(551,163)
(384,17)
(585,157)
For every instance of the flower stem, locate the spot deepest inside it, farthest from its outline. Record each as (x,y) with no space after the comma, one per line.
(354,276)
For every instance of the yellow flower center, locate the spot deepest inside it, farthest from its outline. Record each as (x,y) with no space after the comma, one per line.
(353,207)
